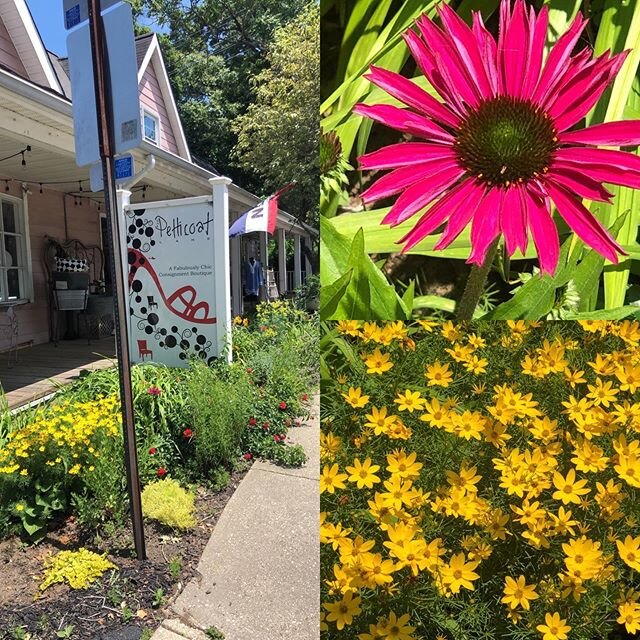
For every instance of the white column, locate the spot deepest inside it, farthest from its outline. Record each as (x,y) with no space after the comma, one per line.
(307,263)
(297,261)
(282,261)
(123,198)
(264,261)
(236,276)
(221,263)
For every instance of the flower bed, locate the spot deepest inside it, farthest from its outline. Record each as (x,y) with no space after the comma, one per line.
(481,481)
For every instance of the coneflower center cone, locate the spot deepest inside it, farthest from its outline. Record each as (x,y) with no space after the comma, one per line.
(506,140)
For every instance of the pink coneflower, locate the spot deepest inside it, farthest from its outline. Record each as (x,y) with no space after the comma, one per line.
(498,148)
(154,391)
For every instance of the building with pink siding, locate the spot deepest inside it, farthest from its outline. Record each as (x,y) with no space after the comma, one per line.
(45,199)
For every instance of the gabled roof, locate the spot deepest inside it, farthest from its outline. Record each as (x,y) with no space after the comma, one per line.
(153,56)
(28,43)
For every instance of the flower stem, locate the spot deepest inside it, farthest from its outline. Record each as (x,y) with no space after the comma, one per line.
(475,285)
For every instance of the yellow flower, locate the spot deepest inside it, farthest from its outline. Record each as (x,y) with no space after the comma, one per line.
(438,374)
(355,398)
(363,473)
(629,551)
(397,628)
(554,628)
(517,593)
(348,327)
(568,489)
(378,362)
(602,393)
(403,465)
(331,479)
(343,611)
(459,574)
(629,616)
(410,401)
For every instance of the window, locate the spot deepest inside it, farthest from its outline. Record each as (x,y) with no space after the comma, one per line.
(151,127)
(14,261)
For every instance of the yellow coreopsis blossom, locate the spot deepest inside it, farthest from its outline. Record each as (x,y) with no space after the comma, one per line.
(554,627)
(355,398)
(343,611)
(378,363)
(363,473)
(410,401)
(629,551)
(459,574)
(568,488)
(331,479)
(517,593)
(438,374)
(629,616)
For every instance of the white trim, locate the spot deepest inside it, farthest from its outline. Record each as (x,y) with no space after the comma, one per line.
(26,288)
(147,57)
(146,111)
(38,46)
(29,289)
(169,203)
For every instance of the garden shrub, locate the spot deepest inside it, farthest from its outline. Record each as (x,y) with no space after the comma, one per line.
(43,462)
(79,569)
(220,409)
(168,503)
(480,481)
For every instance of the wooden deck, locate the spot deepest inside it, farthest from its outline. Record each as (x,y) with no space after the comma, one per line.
(31,377)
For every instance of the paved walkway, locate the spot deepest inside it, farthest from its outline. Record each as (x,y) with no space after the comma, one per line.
(260,572)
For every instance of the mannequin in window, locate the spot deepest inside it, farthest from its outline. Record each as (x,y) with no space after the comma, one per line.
(252,277)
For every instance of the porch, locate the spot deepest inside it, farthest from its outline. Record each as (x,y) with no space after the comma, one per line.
(40,369)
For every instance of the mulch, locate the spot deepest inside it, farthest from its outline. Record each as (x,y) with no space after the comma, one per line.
(124,602)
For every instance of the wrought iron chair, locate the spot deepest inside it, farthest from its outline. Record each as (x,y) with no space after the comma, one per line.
(9,331)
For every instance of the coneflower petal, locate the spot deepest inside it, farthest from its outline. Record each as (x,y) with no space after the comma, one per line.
(461,216)
(515,52)
(412,95)
(604,173)
(485,227)
(558,57)
(401,179)
(421,194)
(438,213)
(404,154)
(583,222)
(610,134)
(543,230)
(403,120)
(586,155)
(513,221)
(578,182)
(538,30)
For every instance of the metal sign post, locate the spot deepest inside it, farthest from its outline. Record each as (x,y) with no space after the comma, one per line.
(105,137)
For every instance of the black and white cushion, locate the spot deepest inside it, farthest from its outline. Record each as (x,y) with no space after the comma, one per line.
(71,265)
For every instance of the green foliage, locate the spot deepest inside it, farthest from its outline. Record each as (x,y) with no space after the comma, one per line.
(213,50)
(168,503)
(79,569)
(214,633)
(218,415)
(175,567)
(278,134)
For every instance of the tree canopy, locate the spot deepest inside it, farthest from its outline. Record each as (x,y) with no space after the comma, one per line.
(214,51)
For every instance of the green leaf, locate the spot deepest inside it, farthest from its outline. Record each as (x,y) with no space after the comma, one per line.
(369,296)
(334,252)
(330,295)
(408,298)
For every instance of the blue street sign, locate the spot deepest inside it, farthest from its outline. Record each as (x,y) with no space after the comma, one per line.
(124,167)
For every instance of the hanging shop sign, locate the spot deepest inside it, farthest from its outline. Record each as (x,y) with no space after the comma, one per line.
(178,281)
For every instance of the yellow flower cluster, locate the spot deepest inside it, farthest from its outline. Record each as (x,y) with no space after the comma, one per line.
(518,471)
(62,434)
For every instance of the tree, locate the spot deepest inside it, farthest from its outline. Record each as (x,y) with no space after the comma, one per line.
(278,136)
(213,49)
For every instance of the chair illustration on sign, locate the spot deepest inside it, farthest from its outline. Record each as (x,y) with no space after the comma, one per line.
(151,303)
(143,350)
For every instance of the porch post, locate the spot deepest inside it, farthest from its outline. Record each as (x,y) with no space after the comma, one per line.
(282,261)
(297,261)
(236,276)
(264,261)
(307,264)
(221,263)
(123,198)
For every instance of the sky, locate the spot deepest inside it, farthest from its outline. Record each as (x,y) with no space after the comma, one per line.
(48,18)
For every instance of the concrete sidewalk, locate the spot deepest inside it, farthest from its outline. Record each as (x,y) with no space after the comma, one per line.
(260,571)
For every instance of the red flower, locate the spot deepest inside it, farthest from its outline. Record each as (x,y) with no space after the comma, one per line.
(153,451)
(253,422)
(265,425)
(247,456)
(305,397)
(283,405)
(154,391)
(161,472)
(187,433)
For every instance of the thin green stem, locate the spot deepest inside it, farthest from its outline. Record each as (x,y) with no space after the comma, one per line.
(475,285)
